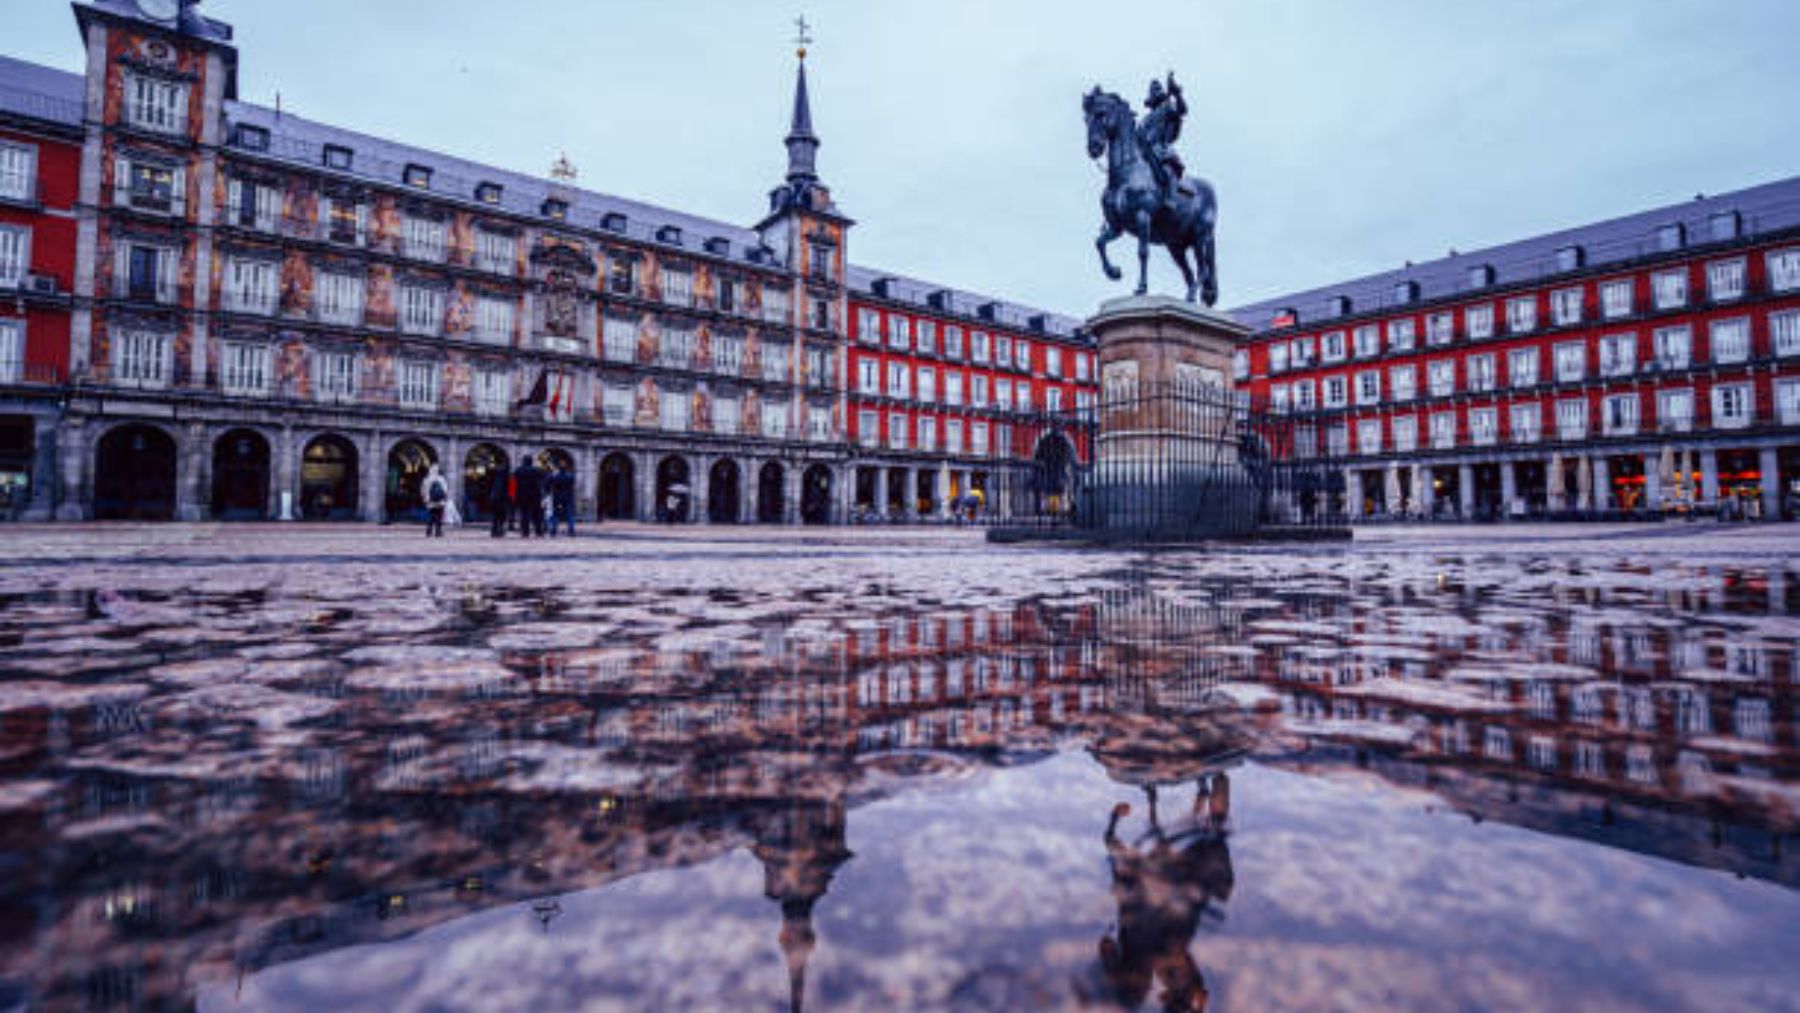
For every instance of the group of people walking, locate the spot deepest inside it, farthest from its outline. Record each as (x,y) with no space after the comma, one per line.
(534,500)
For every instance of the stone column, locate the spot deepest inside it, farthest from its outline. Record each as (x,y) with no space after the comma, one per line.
(372,492)
(791,475)
(1769,463)
(1465,490)
(1509,489)
(644,477)
(943,490)
(700,481)
(1709,476)
(587,485)
(1652,482)
(451,464)
(1603,497)
(287,476)
(1426,495)
(43,470)
(881,492)
(74,501)
(908,505)
(193,476)
(1353,493)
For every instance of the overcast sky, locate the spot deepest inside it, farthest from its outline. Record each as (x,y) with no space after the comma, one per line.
(1342,138)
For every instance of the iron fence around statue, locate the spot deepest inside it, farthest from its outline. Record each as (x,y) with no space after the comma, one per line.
(1175,463)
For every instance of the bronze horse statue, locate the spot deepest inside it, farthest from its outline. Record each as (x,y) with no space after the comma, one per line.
(1134,203)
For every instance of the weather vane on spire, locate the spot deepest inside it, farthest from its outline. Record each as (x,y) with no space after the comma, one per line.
(802,36)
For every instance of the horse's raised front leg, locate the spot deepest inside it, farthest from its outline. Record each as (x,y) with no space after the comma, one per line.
(1107,235)
(1143,237)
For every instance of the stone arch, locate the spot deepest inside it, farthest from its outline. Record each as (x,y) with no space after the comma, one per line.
(815,495)
(618,487)
(240,476)
(770,496)
(135,473)
(674,491)
(723,492)
(485,465)
(408,460)
(329,486)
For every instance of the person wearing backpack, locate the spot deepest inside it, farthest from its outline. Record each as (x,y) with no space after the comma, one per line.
(436,492)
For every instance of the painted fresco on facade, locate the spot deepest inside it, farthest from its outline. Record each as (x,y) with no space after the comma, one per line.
(649,405)
(377,380)
(461,247)
(459,314)
(384,230)
(300,209)
(649,339)
(379,304)
(296,284)
(458,395)
(700,410)
(292,378)
(751,421)
(702,355)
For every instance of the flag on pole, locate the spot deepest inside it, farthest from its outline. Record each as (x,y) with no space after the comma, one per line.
(539,391)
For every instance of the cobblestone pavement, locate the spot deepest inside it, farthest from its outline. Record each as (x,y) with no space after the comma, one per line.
(302,767)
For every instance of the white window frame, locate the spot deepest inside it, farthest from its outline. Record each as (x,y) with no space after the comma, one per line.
(252,285)
(265,205)
(1618,354)
(1483,372)
(1478,321)
(1278,358)
(15,254)
(1336,391)
(1787,401)
(12,349)
(1440,328)
(1675,409)
(496,252)
(868,376)
(424,238)
(1572,418)
(1331,347)
(1521,314)
(418,383)
(1368,341)
(1567,306)
(1571,361)
(1733,404)
(1484,426)
(1784,269)
(492,392)
(338,298)
(142,358)
(1525,422)
(1784,332)
(678,287)
(1728,340)
(167,258)
(155,104)
(1669,289)
(868,428)
(899,334)
(896,431)
(1440,377)
(1403,382)
(1620,414)
(1666,346)
(1401,335)
(1443,430)
(18,171)
(421,309)
(496,319)
(1618,298)
(336,375)
(1527,377)
(1368,387)
(1406,433)
(1725,279)
(618,338)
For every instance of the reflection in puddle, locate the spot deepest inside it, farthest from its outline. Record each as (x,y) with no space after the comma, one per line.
(512,796)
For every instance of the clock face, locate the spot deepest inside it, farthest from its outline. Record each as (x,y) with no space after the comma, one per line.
(160,10)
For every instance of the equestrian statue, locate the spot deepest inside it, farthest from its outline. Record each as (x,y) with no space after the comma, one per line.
(1148,193)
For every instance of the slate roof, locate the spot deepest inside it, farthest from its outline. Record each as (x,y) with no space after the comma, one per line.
(961,303)
(1768,208)
(40,93)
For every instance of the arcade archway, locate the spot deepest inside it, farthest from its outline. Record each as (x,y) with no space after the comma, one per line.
(406,467)
(722,492)
(328,485)
(674,496)
(483,467)
(617,482)
(815,495)
(769,494)
(240,476)
(134,475)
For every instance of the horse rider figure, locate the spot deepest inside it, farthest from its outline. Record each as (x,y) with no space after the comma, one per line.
(1158,131)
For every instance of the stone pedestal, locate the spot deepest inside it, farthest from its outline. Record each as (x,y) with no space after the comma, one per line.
(1166,461)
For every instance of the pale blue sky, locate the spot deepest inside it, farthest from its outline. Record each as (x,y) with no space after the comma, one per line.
(1343,138)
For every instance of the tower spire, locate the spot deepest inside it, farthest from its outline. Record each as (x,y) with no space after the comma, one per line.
(802,143)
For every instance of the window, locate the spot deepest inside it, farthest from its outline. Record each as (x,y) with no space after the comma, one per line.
(1053,399)
(1674,347)
(1404,382)
(1368,436)
(1440,375)
(1003,398)
(618,338)
(775,419)
(927,384)
(1619,414)
(1571,361)
(417,175)
(338,298)
(155,104)
(1331,346)
(1368,341)
(1406,433)
(142,358)
(250,285)
(423,238)
(1725,279)
(1337,392)
(1304,395)
(728,415)
(673,411)
(1675,410)
(953,342)
(494,319)
(1730,339)
(1522,367)
(1440,328)
(1278,358)
(1484,426)
(1443,430)
(421,309)
(18,171)
(1240,364)
(728,354)
(925,337)
(676,349)
(1368,387)
(953,388)
(868,376)
(621,275)
(1521,314)
(1002,350)
(1571,419)
(12,350)
(1302,353)
(1022,355)
(251,205)
(896,379)
(953,436)
(1732,405)
(1526,423)
(927,433)
(419,384)
(1618,354)
(334,376)
(1669,289)
(496,252)
(868,325)
(144,186)
(821,314)
(725,295)
(1784,332)
(978,391)
(868,428)
(147,273)
(1565,306)
(1616,298)
(1053,362)
(1400,335)
(978,438)
(1784,265)
(678,287)
(618,403)
(1787,401)
(820,371)
(818,424)
(777,362)
(898,335)
(244,367)
(776,306)
(1337,441)
(1482,374)
(344,220)
(15,255)
(338,157)
(896,432)
(1478,321)
(1024,396)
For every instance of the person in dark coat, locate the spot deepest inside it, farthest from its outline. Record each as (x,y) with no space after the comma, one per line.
(562,499)
(528,498)
(499,500)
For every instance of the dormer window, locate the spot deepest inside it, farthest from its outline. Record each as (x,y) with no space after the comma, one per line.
(338,157)
(417,175)
(1724,226)
(1481,276)
(1406,292)
(488,193)
(718,246)
(1570,258)
(613,221)
(939,300)
(669,234)
(989,311)
(1671,237)
(556,209)
(251,138)
(1341,305)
